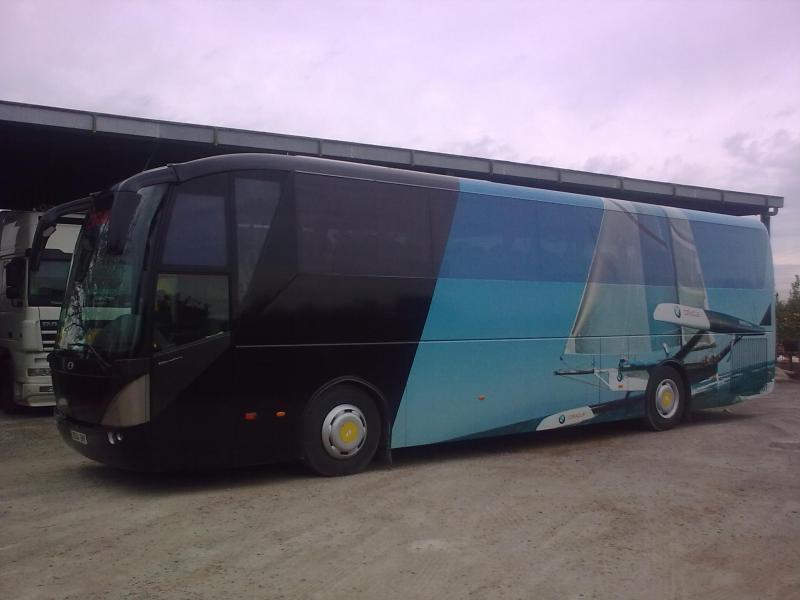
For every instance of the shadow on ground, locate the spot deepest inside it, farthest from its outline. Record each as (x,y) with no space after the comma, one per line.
(215,479)
(556,438)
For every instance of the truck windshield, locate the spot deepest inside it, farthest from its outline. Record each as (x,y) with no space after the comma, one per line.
(46,286)
(100,313)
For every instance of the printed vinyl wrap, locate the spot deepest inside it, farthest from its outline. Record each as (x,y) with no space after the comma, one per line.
(510,346)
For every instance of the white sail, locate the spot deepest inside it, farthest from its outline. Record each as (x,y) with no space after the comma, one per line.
(690,284)
(614,317)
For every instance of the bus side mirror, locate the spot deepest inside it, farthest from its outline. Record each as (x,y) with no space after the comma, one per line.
(12,293)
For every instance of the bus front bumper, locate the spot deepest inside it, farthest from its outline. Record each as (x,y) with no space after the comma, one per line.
(127,448)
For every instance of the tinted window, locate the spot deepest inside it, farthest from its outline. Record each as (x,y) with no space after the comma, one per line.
(655,239)
(196,235)
(492,238)
(355,227)
(506,238)
(567,237)
(256,198)
(189,308)
(731,257)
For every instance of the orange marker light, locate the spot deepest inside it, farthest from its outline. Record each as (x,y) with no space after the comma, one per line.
(481,397)
(280,413)
(250,416)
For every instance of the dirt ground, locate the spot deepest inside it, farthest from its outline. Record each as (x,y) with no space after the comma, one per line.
(708,510)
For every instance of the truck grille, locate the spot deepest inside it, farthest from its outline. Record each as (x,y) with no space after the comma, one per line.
(48,336)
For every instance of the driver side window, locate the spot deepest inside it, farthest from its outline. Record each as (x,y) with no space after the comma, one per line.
(191,300)
(189,308)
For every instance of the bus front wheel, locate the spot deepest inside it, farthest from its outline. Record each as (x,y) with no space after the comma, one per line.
(665,399)
(341,431)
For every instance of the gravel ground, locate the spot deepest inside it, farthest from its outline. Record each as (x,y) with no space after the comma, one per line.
(708,510)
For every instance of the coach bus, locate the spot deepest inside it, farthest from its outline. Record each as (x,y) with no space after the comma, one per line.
(250,308)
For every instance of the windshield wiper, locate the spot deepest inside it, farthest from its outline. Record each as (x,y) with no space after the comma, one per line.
(86,345)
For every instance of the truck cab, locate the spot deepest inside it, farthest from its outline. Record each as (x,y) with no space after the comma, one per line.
(30,307)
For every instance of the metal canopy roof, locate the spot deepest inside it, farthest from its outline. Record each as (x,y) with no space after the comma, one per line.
(53,155)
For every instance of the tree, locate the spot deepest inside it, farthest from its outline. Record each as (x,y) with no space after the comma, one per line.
(788,318)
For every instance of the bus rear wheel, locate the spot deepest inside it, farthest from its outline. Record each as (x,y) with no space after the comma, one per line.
(665,399)
(341,431)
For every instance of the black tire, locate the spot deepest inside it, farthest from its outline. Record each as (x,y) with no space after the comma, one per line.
(318,415)
(660,413)
(7,388)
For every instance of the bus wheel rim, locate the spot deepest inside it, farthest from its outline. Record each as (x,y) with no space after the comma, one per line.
(667,398)
(344,431)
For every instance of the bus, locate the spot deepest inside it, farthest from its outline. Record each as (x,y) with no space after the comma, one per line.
(30,304)
(251,308)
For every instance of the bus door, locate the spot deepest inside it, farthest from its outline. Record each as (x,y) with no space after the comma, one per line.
(192,370)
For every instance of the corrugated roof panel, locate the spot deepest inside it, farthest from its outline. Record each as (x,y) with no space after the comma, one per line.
(451,162)
(220,140)
(535,172)
(366,152)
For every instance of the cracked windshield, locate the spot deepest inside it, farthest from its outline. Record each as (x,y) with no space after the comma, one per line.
(100,314)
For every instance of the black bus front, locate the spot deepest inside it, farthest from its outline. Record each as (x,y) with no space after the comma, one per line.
(100,365)
(143,364)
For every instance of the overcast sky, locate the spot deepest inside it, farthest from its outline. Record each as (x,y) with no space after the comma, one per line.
(697,92)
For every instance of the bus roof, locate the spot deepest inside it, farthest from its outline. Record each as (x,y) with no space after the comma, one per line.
(252,161)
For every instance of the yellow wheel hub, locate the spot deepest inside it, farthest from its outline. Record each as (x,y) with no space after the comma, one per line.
(348,432)
(667,400)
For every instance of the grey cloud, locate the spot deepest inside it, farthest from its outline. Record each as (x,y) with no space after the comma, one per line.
(789,111)
(779,149)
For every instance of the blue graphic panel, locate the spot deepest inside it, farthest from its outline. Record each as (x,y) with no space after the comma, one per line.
(509,288)
(544,313)
(477,309)
(458,389)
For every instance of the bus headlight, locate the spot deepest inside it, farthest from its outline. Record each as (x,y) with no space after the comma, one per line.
(131,406)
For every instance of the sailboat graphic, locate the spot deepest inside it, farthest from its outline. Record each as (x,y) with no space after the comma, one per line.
(645,277)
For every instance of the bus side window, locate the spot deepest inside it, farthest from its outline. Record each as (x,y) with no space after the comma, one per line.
(197,232)
(191,300)
(732,257)
(188,308)
(352,227)
(256,198)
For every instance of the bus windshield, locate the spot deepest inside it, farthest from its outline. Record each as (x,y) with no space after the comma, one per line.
(46,286)
(100,313)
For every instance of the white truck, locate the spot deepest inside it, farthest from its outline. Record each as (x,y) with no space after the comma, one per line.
(30,306)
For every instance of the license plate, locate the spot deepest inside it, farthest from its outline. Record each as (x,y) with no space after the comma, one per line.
(78,437)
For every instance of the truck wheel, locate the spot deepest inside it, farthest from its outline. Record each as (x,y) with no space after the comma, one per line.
(7,388)
(341,431)
(665,399)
